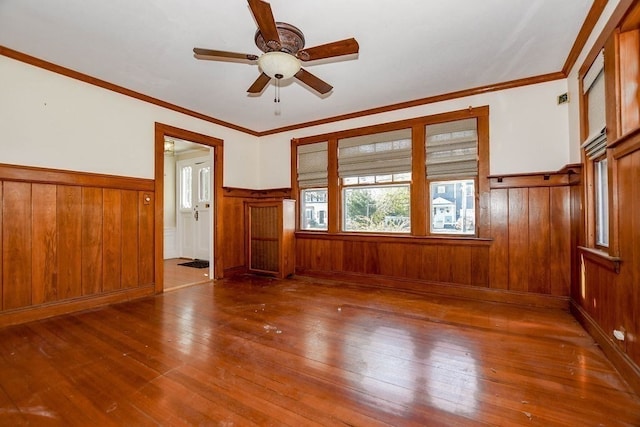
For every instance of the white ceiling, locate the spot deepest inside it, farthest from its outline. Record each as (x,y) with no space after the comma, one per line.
(409,49)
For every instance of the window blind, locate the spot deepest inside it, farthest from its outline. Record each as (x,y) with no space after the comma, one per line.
(312,165)
(596,146)
(377,154)
(452,149)
(593,86)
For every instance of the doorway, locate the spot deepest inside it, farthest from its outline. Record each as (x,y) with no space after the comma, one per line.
(188,213)
(194,182)
(200,219)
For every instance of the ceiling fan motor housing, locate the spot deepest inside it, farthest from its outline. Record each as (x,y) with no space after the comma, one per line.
(291,39)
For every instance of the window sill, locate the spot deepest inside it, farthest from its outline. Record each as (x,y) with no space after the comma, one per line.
(601,258)
(394,238)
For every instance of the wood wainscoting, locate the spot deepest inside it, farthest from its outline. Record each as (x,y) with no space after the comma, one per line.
(72,240)
(525,258)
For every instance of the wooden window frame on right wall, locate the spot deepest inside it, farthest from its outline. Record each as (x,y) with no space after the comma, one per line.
(622,114)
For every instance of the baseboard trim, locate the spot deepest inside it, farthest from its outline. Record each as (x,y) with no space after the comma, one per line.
(234,271)
(628,370)
(29,314)
(444,289)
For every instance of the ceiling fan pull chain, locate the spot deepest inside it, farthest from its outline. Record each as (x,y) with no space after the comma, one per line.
(276,99)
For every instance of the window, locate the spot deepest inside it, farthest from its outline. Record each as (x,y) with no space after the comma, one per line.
(204,184)
(312,181)
(595,147)
(375,177)
(314,205)
(377,208)
(185,200)
(453,210)
(452,168)
(602,202)
(421,177)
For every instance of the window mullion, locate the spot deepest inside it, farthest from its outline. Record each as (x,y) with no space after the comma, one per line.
(419,198)
(334,210)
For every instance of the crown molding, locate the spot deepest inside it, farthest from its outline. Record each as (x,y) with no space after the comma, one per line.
(49,66)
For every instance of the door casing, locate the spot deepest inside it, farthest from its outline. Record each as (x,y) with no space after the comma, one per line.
(162,131)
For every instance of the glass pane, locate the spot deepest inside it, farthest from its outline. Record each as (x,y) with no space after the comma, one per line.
(185,190)
(453,207)
(204,185)
(367,179)
(350,180)
(313,209)
(399,177)
(377,179)
(377,209)
(602,203)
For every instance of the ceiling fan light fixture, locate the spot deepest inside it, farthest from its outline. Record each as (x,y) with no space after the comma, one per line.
(279,65)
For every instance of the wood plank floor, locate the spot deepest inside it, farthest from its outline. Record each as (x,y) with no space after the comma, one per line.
(258,351)
(177,276)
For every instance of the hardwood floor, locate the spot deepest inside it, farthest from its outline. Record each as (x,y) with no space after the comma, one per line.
(259,351)
(177,276)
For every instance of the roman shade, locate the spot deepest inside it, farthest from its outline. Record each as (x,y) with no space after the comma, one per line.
(452,149)
(312,165)
(593,88)
(376,154)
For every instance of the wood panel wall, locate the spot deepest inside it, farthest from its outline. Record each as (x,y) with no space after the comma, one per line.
(606,292)
(459,261)
(531,233)
(69,236)
(527,253)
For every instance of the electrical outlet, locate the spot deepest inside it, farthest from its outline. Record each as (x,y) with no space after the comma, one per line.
(618,334)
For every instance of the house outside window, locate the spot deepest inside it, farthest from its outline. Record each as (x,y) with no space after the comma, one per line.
(452,170)
(312,181)
(314,201)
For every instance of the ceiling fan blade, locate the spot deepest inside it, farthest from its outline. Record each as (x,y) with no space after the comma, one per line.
(261,82)
(339,48)
(213,54)
(313,82)
(266,23)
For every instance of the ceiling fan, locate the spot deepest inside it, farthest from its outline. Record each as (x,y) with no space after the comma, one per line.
(283,47)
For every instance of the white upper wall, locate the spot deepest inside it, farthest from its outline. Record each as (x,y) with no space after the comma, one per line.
(528,131)
(49,120)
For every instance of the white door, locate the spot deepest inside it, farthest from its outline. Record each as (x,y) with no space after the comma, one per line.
(194,187)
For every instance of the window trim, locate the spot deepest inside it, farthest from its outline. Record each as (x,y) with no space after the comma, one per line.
(587,142)
(418,187)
